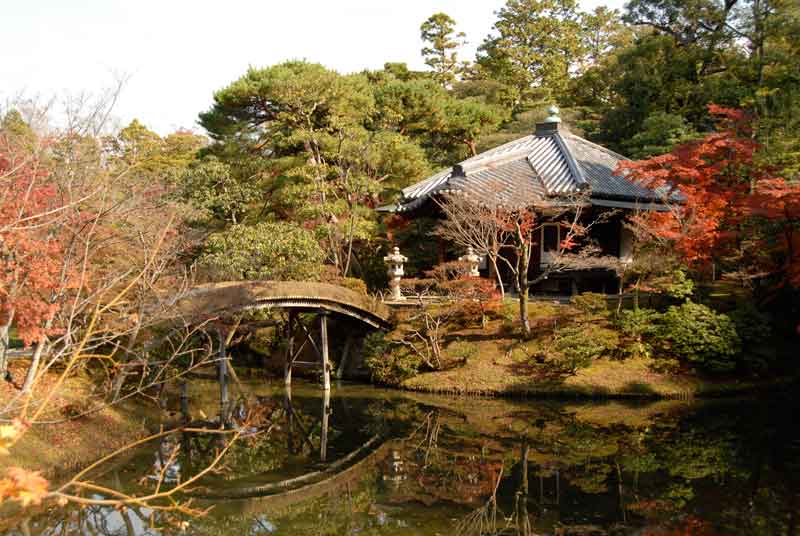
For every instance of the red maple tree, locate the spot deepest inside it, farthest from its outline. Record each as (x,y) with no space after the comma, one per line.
(31,249)
(724,202)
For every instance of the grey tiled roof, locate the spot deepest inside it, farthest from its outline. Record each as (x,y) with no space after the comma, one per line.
(510,185)
(597,165)
(534,170)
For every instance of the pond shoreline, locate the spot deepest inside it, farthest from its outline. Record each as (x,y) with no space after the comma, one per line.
(710,391)
(72,444)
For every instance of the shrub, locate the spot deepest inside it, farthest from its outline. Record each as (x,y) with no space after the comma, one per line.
(462,351)
(636,326)
(509,311)
(268,250)
(542,314)
(680,286)
(755,331)
(697,335)
(753,327)
(352,283)
(388,362)
(590,303)
(474,298)
(576,346)
(509,314)
(638,323)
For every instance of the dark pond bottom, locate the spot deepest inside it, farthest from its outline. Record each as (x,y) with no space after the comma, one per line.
(383,463)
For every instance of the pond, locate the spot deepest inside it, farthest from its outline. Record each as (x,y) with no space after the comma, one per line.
(367,461)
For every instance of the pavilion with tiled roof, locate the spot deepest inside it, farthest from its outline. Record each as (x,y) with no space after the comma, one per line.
(549,167)
(534,171)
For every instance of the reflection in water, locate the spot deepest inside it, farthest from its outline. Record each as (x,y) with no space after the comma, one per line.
(370,462)
(295,423)
(167,466)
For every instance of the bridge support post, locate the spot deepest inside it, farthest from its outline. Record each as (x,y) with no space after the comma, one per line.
(287,370)
(222,369)
(184,402)
(348,342)
(289,419)
(323,439)
(326,365)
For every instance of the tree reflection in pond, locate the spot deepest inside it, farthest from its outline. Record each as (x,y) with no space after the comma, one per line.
(370,462)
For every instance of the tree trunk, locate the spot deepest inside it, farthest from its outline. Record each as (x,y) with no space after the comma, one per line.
(522,277)
(348,342)
(523,313)
(34,367)
(349,243)
(5,335)
(119,380)
(493,261)
(524,469)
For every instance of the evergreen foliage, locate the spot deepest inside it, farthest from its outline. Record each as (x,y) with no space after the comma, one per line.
(270,250)
(698,336)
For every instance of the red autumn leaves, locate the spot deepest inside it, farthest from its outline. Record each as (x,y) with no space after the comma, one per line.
(730,204)
(31,249)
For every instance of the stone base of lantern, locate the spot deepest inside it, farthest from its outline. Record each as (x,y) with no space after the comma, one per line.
(396,294)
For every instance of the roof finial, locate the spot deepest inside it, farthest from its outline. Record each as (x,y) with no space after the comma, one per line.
(554,118)
(551,125)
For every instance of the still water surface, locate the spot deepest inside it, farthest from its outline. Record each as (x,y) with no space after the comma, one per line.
(375,462)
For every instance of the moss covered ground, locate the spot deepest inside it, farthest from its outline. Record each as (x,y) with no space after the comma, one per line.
(57,445)
(501,364)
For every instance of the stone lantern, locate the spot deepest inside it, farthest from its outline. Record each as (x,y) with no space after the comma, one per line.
(472,262)
(395,263)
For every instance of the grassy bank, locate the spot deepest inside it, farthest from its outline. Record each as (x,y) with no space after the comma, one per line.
(494,361)
(64,445)
(494,371)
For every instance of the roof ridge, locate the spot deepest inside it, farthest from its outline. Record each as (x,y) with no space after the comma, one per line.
(552,165)
(432,178)
(480,165)
(580,180)
(489,152)
(596,146)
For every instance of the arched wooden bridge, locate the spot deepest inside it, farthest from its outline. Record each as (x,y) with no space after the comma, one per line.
(234,296)
(319,299)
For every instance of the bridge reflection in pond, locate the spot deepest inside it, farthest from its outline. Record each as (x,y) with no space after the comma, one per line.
(367,461)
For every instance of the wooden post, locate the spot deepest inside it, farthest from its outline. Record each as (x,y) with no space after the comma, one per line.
(287,371)
(185,401)
(289,419)
(524,482)
(348,342)
(222,369)
(326,367)
(326,410)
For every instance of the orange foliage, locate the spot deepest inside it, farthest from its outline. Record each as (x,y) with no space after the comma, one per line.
(476,296)
(9,434)
(31,248)
(25,487)
(724,192)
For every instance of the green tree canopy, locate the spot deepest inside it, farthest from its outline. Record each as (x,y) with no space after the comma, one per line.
(533,46)
(211,185)
(14,127)
(441,47)
(271,250)
(312,145)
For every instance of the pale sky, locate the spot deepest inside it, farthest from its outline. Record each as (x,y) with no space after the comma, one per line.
(177,52)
